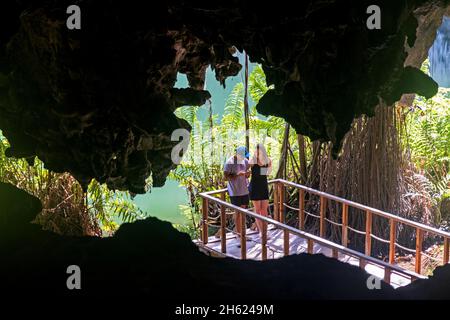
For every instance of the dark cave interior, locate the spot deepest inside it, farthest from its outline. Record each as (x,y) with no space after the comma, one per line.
(98,103)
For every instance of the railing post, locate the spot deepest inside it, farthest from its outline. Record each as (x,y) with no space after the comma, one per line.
(242,219)
(344,224)
(446,252)
(275,201)
(310,246)
(419,240)
(264,242)
(205,220)
(335,253)
(362,263)
(281,186)
(301,209)
(368,233)
(223,225)
(387,275)
(322,216)
(286,242)
(392,236)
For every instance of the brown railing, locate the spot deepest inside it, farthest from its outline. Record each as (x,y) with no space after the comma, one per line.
(394,221)
(279,206)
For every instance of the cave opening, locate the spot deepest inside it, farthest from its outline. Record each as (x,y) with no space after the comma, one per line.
(88,119)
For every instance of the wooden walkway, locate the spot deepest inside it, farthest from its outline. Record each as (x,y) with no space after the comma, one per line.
(297,245)
(281,239)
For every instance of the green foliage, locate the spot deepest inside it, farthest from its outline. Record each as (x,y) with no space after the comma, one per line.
(111,207)
(187,113)
(425,68)
(63,198)
(428,134)
(233,117)
(193,218)
(257,83)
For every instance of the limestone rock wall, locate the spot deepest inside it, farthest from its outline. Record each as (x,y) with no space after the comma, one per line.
(98,102)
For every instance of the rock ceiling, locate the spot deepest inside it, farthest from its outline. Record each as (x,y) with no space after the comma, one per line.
(98,102)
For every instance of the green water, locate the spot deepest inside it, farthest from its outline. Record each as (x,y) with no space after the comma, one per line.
(164,203)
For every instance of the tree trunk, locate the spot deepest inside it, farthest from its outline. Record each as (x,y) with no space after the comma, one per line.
(246,109)
(281,173)
(312,175)
(211,126)
(302,158)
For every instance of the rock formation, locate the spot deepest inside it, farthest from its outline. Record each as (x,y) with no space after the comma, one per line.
(98,102)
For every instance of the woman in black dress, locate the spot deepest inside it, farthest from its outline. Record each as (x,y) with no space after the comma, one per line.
(261,167)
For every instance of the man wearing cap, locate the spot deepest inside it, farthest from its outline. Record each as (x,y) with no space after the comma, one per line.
(236,172)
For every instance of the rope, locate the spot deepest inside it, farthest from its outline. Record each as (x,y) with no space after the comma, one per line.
(357,231)
(312,215)
(210,225)
(404,248)
(289,207)
(334,223)
(230,230)
(380,239)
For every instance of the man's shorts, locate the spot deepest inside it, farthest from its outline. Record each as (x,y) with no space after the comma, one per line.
(240,200)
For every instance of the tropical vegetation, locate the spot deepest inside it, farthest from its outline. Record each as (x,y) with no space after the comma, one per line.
(67,208)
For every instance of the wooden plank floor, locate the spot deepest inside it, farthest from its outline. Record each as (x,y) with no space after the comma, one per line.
(297,245)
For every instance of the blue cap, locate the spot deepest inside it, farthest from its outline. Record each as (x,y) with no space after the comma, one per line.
(243,151)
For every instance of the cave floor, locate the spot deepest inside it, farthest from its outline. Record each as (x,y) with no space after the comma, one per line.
(297,245)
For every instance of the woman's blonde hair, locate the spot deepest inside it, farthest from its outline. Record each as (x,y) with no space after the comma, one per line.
(260,157)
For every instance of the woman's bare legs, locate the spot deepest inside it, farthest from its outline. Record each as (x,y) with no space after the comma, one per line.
(257,206)
(264,205)
(261,207)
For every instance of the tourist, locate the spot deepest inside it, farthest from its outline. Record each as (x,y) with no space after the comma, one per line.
(261,167)
(236,172)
